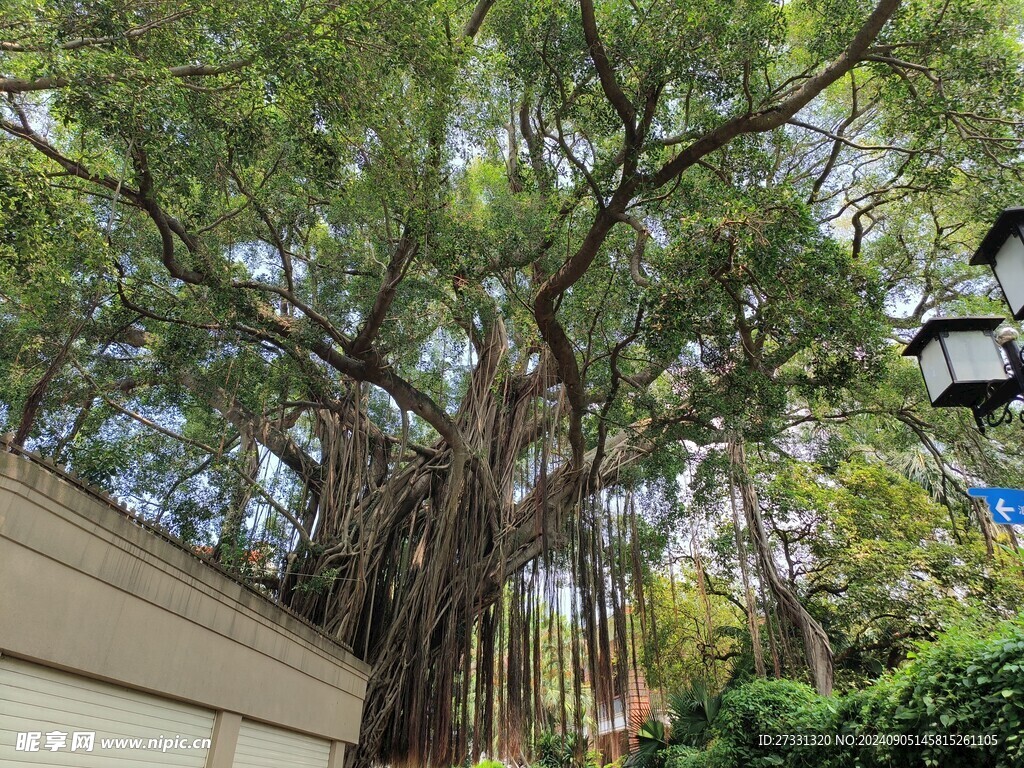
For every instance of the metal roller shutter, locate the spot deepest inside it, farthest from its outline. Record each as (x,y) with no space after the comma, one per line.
(39,700)
(263,746)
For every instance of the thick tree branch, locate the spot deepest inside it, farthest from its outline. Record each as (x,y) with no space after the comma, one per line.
(49,83)
(370,368)
(261,430)
(401,258)
(85,42)
(166,225)
(477,19)
(73,168)
(612,91)
(797,99)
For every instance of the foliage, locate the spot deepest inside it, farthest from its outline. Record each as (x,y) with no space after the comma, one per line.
(877,559)
(682,756)
(415,290)
(653,738)
(965,684)
(692,712)
(768,707)
(556,750)
(690,641)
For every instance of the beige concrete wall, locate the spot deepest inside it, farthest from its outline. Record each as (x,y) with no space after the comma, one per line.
(86,588)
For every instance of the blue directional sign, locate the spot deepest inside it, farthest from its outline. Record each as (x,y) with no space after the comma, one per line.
(1005,504)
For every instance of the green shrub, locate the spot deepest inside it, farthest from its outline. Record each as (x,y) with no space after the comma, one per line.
(681,756)
(771,707)
(964,685)
(556,750)
(692,713)
(688,757)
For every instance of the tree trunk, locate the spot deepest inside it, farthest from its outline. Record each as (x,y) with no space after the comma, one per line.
(748,590)
(231,547)
(35,398)
(413,547)
(985,524)
(817,649)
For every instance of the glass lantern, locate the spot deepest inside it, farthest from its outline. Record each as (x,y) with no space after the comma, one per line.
(1003,251)
(960,360)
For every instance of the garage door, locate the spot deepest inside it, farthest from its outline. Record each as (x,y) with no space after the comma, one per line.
(263,746)
(59,719)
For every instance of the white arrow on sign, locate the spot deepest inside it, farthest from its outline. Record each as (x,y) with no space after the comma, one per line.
(1002,509)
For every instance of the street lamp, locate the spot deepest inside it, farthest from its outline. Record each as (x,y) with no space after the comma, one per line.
(960,356)
(1003,251)
(959,359)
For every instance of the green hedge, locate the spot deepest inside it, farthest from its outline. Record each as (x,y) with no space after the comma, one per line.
(681,756)
(769,707)
(963,685)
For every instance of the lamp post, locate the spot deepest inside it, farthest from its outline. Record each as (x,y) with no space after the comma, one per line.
(1003,251)
(962,358)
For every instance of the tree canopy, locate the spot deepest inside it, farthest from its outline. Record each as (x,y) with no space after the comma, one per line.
(437,301)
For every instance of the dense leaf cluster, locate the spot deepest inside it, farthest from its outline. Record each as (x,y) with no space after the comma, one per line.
(966,684)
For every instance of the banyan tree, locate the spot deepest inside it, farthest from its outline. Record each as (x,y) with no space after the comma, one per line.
(432,298)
